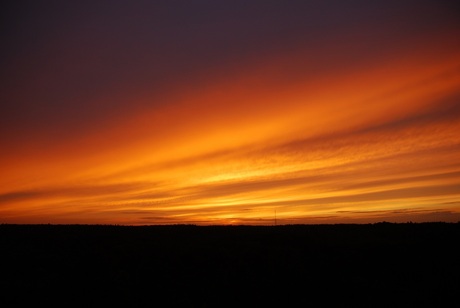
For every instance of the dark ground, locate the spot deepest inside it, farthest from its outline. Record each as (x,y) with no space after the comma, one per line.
(383,264)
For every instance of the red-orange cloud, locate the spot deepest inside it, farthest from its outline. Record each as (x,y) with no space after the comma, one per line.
(313,135)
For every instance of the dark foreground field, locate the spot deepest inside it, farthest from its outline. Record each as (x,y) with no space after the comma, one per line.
(381,264)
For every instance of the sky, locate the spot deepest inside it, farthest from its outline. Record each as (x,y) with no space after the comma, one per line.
(229,112)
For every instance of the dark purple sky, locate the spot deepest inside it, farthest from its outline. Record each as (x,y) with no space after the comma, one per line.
(65,63)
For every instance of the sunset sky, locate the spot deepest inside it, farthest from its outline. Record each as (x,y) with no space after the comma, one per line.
(230,112)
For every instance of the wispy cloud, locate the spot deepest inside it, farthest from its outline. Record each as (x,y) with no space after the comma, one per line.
(351,120)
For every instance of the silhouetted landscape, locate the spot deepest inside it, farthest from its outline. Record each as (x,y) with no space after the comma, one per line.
(381,264)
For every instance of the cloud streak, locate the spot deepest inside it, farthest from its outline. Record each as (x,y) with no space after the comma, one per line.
(182,120)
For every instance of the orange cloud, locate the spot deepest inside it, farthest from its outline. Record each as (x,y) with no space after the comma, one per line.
(372,140)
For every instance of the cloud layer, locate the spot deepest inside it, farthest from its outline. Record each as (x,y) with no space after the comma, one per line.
(148,113)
